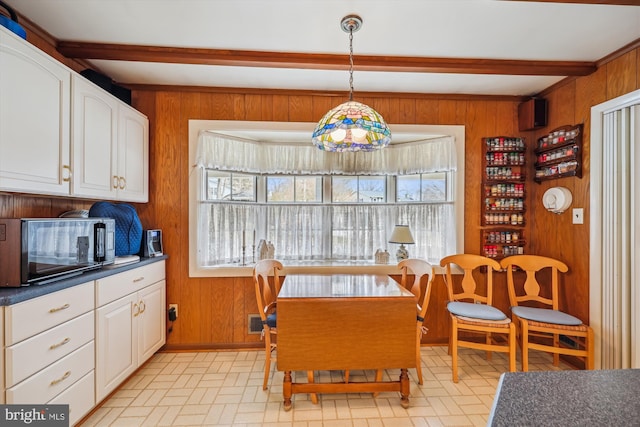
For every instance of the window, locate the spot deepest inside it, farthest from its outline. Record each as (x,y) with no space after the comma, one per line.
(351,226)
(358,189)
(230,186)
(310,209)
(294,189)
(426,187)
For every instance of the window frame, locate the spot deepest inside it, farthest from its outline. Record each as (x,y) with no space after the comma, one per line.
(242,128)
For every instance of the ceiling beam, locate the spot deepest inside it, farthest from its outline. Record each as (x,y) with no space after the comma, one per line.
(249,58)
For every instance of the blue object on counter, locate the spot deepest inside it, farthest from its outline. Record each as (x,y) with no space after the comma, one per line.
(128,226)
(12,23)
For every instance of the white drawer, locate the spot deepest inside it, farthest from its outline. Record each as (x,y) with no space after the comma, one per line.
(31,355)
(80,397)
(119,285)
(28,318)
(53,380)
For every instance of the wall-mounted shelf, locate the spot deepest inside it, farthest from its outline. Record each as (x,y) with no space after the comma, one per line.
(559,154)
(503,187)
(502,242)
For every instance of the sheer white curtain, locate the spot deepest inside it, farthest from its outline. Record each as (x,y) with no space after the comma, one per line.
(319,232)
(312,232)
(217,151)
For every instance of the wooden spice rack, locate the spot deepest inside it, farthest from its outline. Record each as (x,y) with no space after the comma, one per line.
(503,187)
(559,154)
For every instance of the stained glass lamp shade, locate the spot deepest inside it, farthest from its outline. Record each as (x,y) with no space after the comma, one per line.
(351,126)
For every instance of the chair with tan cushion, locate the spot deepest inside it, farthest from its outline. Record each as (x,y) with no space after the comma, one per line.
(266,294)
(538,316)
(471,311)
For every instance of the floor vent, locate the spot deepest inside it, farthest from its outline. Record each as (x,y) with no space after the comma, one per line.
(255,324)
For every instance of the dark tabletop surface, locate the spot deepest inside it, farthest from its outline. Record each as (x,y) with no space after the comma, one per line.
(9,296)
(568,398)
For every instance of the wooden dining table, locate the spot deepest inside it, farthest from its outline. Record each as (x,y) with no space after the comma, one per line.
(345,322)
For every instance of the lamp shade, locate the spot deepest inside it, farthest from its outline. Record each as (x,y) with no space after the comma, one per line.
(401,234)
(351,126)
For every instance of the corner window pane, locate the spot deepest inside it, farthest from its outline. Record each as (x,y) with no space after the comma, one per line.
(229,186)
(243,187)
(408,188)
(218,185)
(434,187)
(426,187)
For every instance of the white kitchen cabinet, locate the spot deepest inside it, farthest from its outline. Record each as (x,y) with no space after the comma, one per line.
(50,349)
(95,139)
(34,119)
(130,323)
(110,146)
(62,135)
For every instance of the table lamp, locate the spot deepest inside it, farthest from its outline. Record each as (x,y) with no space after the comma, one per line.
(401,234)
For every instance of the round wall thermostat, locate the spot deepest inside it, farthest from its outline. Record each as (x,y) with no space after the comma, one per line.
(557,199)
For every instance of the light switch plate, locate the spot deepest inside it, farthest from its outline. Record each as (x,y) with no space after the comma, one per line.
(578,216)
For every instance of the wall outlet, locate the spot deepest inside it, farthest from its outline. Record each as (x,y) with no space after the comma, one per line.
(577,216)
(175,308)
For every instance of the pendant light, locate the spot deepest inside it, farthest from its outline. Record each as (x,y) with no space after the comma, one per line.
(351,126)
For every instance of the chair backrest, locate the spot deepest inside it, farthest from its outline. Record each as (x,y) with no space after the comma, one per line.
(266,293)
(418,268)
(528,289)
(470,263)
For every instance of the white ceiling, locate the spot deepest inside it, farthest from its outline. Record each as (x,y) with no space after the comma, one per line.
(475,29)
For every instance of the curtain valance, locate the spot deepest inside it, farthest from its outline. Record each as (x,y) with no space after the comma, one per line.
(223,152)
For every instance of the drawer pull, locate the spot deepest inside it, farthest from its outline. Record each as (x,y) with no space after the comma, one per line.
(62,378)
(63,342)
(136,310)
(139,279)
(143,307)
(64,307)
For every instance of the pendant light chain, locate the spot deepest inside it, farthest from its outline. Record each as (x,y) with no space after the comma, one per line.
(351,63)
(351,126)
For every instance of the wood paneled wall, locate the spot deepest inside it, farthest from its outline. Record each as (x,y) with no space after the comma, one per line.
(213,311)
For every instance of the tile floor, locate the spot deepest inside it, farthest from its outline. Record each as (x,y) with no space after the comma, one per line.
(224,388)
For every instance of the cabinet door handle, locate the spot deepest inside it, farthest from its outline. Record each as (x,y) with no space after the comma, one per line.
(122,182)
(136,310)
(64,307)
(139,279)
(62,378)
(66,177)
(143,307)
(115,182)
(63,342)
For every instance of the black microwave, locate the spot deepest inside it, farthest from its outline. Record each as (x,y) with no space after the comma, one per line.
(41,250)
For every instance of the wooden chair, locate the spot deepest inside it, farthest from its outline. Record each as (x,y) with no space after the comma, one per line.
(266,295)
(471,311)
(540,316)
(418,268)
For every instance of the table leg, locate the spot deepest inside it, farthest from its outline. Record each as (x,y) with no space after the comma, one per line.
(286,390)
(404,388)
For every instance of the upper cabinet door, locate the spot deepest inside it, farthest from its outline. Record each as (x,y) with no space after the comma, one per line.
(95,139)
(133,155)
(34,119)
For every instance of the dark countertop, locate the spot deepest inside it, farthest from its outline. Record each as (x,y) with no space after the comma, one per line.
(567,398)
(9,296)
